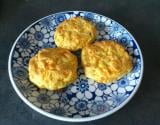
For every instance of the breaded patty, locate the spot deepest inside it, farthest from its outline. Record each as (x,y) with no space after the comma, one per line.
(53,68)
(105,61)
(75,33)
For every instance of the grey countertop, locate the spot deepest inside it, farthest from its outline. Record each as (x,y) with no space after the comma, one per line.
(141,18)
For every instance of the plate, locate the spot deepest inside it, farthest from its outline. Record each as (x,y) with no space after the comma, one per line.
(84,100)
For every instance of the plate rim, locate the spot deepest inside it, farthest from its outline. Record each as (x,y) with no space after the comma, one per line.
(62,118)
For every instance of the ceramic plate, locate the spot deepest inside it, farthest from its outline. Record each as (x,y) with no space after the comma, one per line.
(84,100)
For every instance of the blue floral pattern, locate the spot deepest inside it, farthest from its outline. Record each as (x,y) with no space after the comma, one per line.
(100,107)
(84,97)
(88,16)
(59,18)
(25,45)
(81,105)
(117,98)
(48,23)
(20,72)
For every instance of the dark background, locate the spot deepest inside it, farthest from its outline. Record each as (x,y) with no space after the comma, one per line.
(141,18)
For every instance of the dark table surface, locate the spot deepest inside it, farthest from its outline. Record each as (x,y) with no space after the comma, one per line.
(141,18)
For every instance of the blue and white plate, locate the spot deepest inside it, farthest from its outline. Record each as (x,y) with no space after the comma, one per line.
(84,100)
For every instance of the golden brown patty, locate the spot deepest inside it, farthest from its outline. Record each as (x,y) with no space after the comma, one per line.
(105,61)
(53,68)
(74,33)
